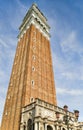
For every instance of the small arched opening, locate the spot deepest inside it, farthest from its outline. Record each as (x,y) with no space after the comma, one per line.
(63,129)
(30,125)
(24,127)
(49,127)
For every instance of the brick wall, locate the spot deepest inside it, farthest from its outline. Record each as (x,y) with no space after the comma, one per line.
(31,77)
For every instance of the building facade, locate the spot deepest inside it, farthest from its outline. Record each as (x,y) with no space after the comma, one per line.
(31,102)
(41,115)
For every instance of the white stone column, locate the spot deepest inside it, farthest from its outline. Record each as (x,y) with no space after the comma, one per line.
(21,127)
(35,125)
(53,127)
(45,127)
(39,125)
(58,127)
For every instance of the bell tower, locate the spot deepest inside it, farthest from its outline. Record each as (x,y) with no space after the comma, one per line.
(32,73)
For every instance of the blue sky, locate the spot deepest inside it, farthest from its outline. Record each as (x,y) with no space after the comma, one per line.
(66,20)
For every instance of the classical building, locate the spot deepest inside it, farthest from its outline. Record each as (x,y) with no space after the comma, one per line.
(31,102)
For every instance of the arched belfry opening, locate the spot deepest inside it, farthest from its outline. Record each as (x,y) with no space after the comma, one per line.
(49,127)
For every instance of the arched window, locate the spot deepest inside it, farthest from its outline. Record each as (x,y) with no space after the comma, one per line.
(30,125)
(24,127)
(63,129)
(49,127)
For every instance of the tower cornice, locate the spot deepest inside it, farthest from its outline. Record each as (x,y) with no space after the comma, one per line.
(35,16)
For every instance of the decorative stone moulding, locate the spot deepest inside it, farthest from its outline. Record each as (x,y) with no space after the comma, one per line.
(36,18)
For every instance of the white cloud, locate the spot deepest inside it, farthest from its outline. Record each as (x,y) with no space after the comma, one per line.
(18,14)
(70,40)
(2,43)
(73,75)
(70,43)
(2,76)
(69,92)
(68,70)
(66,63)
